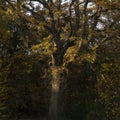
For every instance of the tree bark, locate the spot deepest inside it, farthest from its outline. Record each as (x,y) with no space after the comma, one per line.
(54,108)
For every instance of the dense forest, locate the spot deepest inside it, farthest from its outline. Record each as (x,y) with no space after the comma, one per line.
(59,59)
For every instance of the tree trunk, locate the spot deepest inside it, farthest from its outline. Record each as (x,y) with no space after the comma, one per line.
(54,108)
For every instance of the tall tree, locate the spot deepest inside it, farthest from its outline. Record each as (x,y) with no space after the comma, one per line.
(66,30)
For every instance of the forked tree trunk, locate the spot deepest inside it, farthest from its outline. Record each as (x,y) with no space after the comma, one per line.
(54,108)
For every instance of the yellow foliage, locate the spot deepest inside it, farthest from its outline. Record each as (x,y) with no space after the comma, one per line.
(106,66)
(70,54)
(45,47)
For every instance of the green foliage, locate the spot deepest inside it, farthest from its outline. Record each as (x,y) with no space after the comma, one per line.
(81,100)
(23,81)
(108,80)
